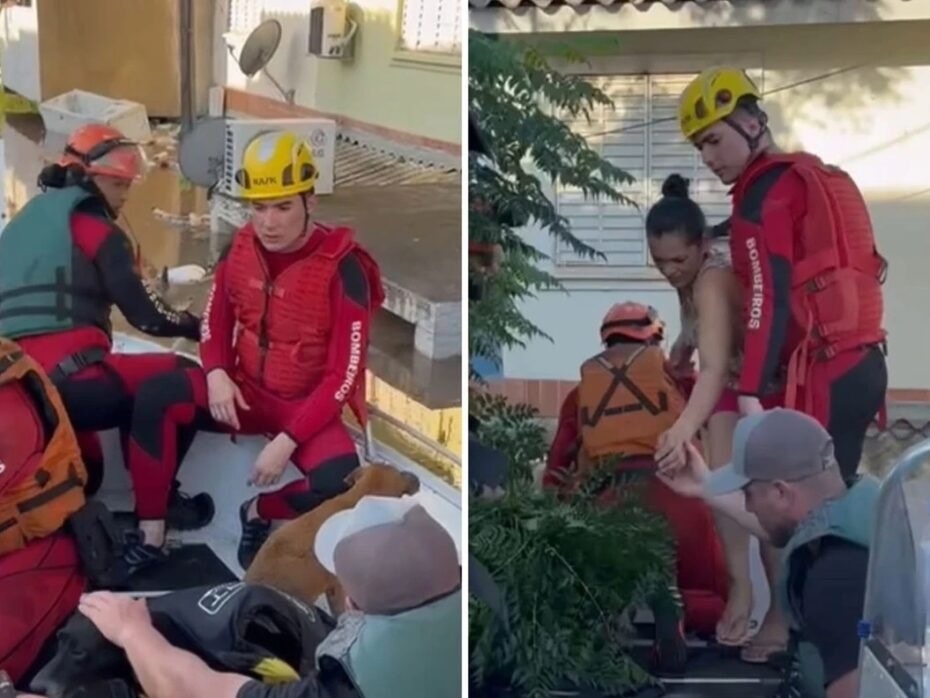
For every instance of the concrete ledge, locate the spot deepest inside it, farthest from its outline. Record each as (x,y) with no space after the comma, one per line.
(546,395)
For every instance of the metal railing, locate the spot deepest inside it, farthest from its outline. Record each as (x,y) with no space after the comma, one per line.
(427,441)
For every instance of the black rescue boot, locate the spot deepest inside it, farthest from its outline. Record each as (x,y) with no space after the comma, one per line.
(669,650)
(187,513)
(254,535)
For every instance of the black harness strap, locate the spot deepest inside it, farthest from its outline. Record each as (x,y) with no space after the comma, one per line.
(620,377)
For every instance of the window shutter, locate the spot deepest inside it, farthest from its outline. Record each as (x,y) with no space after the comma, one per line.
(432,26)
(670,153)
(244,15)
(613,229)
(649,147)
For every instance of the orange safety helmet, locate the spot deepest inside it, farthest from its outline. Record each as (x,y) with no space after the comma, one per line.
(103,150)
(634,321)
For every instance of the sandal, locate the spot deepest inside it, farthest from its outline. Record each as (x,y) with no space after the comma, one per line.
(752,626)
(762,652)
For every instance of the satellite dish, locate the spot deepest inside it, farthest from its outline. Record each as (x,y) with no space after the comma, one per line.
(260,46)
(258,50)
(201,152)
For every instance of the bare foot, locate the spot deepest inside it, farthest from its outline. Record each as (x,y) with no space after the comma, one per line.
(733,626)
(771,639)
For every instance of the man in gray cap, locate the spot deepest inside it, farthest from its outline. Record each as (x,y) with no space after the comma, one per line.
(785,486)
(401,637)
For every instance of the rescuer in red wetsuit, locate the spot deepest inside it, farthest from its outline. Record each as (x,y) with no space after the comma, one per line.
(64,264)
(626,399)
(802,244)
(285,339)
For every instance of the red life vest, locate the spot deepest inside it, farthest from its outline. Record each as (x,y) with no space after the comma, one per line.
(283,327)
(42,476)
(836,272)
(40,586)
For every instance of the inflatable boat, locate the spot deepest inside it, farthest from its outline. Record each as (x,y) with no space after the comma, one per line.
(894,656)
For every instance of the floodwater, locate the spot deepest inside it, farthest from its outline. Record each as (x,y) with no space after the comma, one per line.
(168,218)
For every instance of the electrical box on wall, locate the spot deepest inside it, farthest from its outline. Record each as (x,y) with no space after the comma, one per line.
(331,31)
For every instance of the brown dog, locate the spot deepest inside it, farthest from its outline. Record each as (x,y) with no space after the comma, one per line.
(287,562)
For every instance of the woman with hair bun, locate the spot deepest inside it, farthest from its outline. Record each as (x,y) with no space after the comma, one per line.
(696,261)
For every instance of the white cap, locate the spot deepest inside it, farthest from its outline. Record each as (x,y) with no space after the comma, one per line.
(389,554)
(370,511)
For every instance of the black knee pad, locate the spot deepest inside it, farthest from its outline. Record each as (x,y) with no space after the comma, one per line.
(327,480)
(154,398)
(330,476)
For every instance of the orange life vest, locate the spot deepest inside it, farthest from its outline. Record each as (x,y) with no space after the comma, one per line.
(42,476)
(283,327)
(837,272)
(626,400)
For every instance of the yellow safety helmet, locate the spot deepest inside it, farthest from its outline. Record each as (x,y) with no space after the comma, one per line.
(276,164)
(711,97)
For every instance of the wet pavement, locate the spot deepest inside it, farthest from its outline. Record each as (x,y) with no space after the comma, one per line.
(168,218)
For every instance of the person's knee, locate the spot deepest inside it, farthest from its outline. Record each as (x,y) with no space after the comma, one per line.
(184,362)
(157,400)
(329,478)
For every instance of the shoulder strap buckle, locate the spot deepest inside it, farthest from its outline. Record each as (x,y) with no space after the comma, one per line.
(75,363)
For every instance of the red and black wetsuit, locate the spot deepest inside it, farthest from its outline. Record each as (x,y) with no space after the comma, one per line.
(100,389)
(565,444)
(326,452)
(847,390)
(701,568)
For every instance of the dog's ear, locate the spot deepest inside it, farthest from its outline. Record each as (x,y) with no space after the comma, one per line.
(354,476)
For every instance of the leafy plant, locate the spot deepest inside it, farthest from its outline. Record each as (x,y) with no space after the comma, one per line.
(570,572)
(513,429)
(520,103)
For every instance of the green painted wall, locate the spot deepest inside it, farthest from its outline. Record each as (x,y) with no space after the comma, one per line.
(375,87)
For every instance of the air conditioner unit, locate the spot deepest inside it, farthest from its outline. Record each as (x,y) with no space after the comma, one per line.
(328,22)
(320,133)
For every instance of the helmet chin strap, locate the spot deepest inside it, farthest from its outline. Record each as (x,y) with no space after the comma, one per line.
(303,199)
(752,141)
(88,183)
(305,231)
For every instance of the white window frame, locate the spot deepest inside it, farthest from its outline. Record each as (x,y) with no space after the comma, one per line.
(566,265)
(441,40)
(244,15)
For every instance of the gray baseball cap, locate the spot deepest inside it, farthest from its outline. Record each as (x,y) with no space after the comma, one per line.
(778,444)
(389,554)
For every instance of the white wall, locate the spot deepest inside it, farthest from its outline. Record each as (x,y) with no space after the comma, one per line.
(291,64)
(374,86)
(20,60)
(873,121)
(573,321)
